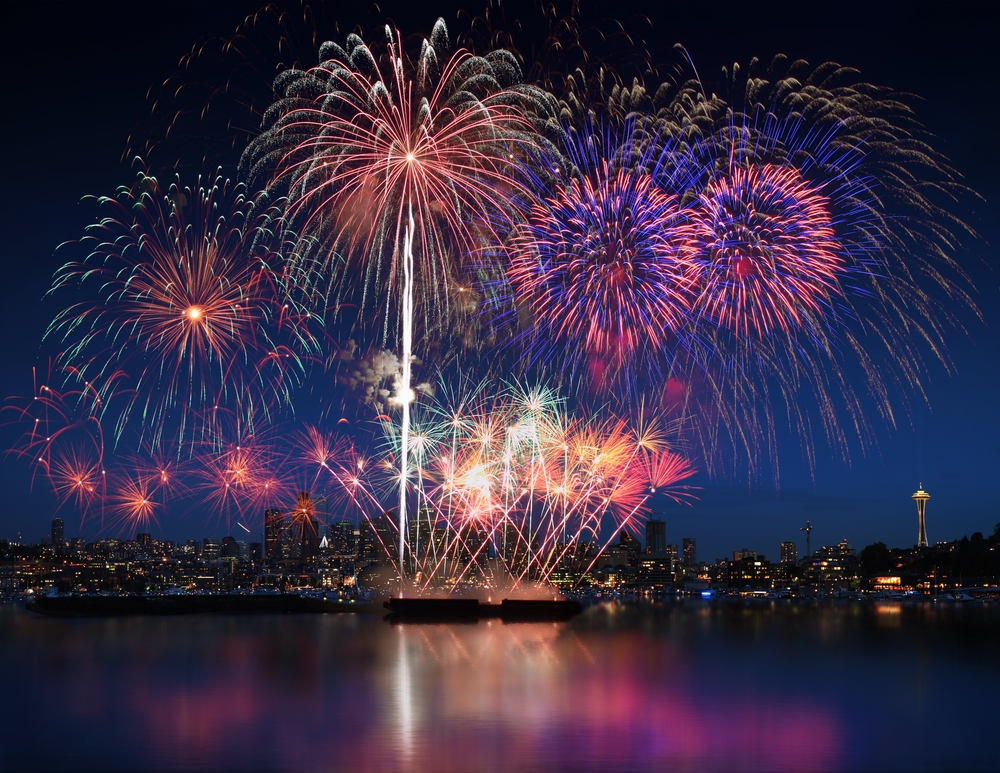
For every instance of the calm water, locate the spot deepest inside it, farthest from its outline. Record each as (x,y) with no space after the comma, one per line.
(678,688)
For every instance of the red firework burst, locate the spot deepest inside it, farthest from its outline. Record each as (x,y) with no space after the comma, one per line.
(189,309)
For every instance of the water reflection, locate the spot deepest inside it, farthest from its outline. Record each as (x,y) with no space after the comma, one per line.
(525,696)
(708,687)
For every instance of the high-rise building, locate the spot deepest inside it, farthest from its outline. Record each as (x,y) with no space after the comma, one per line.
(690,551)
(419,539)
(369,547)
(58,536)
(274,527)
(342,540)
(211,548)
(473,545)
(789,552)
(630,545)
(921,498)
(304,529)
(672,553)
(385,546)
(656,536)
(515,549)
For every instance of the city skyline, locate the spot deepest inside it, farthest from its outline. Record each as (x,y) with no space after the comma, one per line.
(866,501)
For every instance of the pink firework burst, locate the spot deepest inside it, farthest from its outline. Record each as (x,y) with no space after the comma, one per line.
(382,153)
(770,257)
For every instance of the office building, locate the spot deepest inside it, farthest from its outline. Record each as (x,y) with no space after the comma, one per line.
(690,551)
(274,527)
(656,536)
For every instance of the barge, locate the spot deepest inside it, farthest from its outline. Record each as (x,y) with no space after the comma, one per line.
(193,604)
(445,610)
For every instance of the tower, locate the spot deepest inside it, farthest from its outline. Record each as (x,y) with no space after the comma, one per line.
(656,536)
(921,498)
(274,527)
(690,554)
(808,530)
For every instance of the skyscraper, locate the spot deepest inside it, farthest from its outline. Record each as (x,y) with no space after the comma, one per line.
(921,498)
(690,551)
(789,552)
(656,536)
(304,529)
(274,526)
(630,545)
(58,536)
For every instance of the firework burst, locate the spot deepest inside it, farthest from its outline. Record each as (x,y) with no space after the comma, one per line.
(814,242)
(769,254)
(603,267)
(190,306)
(514,475)
(370,139)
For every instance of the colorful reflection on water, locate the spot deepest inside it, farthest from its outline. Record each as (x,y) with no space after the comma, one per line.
(704,686)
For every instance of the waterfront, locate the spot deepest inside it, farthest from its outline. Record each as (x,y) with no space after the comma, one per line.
(697,686)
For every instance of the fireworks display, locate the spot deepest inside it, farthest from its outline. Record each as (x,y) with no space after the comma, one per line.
(514,476)
(398,163)
(725,254)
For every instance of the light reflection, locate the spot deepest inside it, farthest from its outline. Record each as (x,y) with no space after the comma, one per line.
(649,688)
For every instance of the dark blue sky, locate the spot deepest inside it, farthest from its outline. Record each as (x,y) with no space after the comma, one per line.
(76,88)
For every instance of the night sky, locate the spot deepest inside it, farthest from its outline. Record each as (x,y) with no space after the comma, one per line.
(77,86)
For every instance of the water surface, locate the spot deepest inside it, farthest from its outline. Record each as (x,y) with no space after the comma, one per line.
(775,686)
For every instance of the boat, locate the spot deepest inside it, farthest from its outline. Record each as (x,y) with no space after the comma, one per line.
(463,610)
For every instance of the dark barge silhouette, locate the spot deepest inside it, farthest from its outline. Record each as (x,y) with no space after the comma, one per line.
(192,604)
(420,610)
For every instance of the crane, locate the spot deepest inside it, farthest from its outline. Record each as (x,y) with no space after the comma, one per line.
(807,529)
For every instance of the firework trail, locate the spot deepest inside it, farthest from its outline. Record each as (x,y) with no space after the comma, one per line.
(191,306)
(390,162)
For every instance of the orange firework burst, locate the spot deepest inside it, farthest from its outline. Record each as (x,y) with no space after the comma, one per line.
(192,308)
(133,505)
(78,477)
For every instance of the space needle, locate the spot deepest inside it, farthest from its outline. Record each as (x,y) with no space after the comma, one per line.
(921,498)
